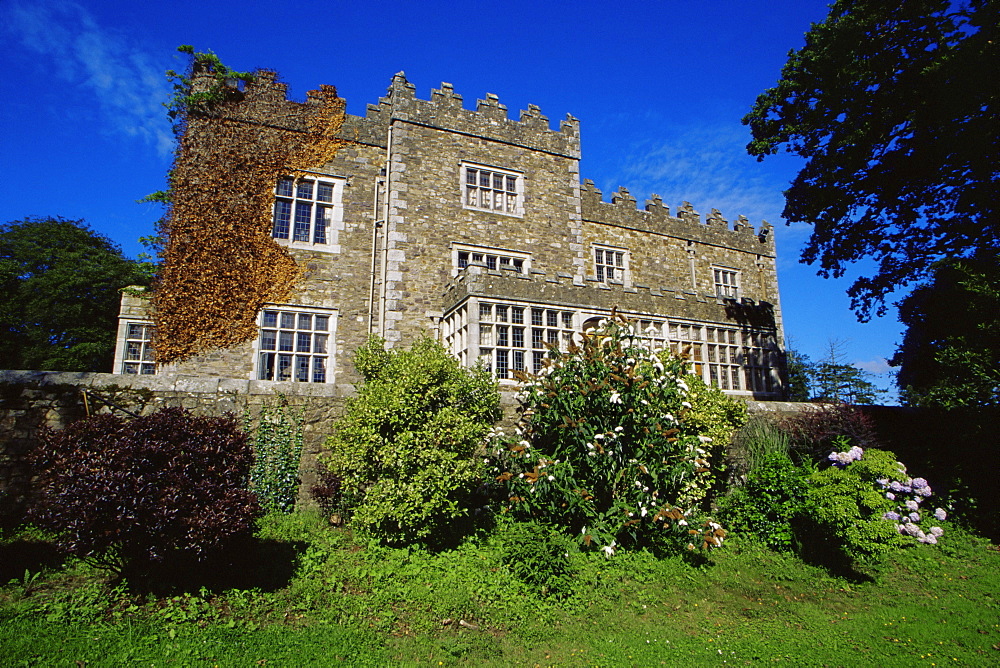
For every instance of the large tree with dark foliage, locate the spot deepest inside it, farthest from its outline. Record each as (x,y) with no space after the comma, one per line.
(60,284)
(894,106)
(950,354)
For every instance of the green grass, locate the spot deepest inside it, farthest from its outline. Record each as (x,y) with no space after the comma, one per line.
(342,603)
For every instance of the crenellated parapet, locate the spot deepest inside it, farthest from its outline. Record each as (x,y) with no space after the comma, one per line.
(655,217)
(560,289)
(489,120)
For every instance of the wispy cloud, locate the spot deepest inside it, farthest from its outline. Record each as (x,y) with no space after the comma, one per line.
(127,83)
(877,366)
(705,162)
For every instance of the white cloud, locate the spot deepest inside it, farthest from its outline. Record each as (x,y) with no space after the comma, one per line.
(877,366)
(128,86)
(702,163)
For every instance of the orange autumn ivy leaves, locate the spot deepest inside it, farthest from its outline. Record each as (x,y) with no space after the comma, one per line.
(220,264)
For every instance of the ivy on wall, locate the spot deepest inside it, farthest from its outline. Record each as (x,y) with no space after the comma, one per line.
(236,137)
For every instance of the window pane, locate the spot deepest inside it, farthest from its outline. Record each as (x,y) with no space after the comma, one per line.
(284,370)
(285,341)
(133,350)
(319,369)
(324,192)
(485,313)
(536,316)
(302,368)
(303,342)
(501,313)
(287,320)
(567,320)
(463,259)
(134,331)
(470,176)
(517,315)
(303,217)
(323,214)
(319,343)
(484,179)
(491,262)
(498,181)
(518,337)
(268,339)
(552,318)
(518,360)
(322,323)
(304,189)
(305,321)
(284,188)
(282,219)
(270,319)
(502,336)
(511,184)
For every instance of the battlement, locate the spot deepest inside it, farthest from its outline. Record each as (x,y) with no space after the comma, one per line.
(655,217)
(561,289)
(489,120)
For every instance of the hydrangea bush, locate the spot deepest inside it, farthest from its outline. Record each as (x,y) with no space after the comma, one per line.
(606,451)
(866,504)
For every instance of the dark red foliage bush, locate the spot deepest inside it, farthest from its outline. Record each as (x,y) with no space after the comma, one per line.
(130,494)
(813,431)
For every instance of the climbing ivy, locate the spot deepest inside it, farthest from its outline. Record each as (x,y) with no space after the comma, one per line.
(235,139)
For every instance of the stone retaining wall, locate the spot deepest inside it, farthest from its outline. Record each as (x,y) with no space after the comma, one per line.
(31,400)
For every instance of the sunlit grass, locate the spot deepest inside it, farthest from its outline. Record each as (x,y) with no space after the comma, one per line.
(350,604)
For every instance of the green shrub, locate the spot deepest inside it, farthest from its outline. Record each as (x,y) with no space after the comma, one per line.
(844,514)
(408,450)
(612,447)
(277,446)
(538,555)
(768,502)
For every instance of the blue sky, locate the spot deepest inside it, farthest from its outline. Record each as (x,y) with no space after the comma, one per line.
(659,86)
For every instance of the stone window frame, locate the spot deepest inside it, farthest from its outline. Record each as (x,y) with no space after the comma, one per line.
(512,200)
(494,259)
(727,282)
(268,355)
(598,256)
(143,361)
(293,197)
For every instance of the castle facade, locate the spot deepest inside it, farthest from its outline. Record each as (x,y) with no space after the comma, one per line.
(477,229)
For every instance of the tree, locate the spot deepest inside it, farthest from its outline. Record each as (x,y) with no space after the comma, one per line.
(800,372)
(838,382)
(60,284)
(891,106)
(950,354)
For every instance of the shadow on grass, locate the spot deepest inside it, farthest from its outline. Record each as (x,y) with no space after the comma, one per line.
(265,565)
(24,555)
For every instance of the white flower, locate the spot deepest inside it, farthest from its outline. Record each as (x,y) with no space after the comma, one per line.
(686,404)
(682,523)
(619,428)
(616,398)
(704,439)
(609,550)
(552,477)
(643,513)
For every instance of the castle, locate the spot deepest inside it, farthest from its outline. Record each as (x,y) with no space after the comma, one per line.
(477,229)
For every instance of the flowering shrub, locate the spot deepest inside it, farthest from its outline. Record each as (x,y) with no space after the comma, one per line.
(865,505)
(407,451)
(606,450)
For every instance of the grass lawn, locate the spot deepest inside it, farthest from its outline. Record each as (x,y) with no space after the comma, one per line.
(312,596)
